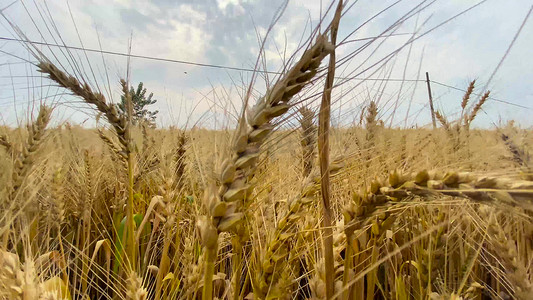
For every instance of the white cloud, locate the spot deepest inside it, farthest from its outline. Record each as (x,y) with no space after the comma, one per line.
(236,7)
(187,12)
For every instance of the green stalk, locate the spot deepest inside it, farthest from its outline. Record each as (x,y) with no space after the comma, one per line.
(85,257)
(163,269)
(130,224)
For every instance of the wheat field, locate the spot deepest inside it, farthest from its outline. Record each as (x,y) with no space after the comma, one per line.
(264,210)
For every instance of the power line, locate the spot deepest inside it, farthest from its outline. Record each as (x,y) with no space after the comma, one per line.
(494,99)
(198,64)
(185,62)
(137,56)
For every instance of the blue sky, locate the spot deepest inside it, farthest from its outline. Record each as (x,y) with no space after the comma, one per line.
(228,33)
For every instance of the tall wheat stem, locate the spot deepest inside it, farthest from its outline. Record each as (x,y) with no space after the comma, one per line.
(130,225)
(236,266)
(323,154)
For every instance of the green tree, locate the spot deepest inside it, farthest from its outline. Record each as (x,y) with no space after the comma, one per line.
(139,101)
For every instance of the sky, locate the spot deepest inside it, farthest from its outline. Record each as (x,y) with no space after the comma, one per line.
(228,34)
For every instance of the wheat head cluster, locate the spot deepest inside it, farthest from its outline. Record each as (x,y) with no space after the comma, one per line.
(263,211)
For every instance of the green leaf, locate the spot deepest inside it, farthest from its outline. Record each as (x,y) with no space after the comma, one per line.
(137,220)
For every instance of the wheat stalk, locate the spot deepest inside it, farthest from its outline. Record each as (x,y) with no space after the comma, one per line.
(324,117)
(135,290)
(307,140)
(24,162)
(443,121)
(179,160)
(237,171)
(116,150)
(277,248)
(464,102)
(499,191)
(17,281)
(467,94)
(477,107)
(120,123)
(505,249)
(4,141)
(519,156)
(85,92)
(371,122)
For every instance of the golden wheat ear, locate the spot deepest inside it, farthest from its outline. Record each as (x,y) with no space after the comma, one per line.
(97,99)
(467,94)
(307,139)
(498,191)
(25,160)
(478,106)
(4,141)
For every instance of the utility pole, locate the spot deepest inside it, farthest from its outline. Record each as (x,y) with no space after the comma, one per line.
(431,102)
